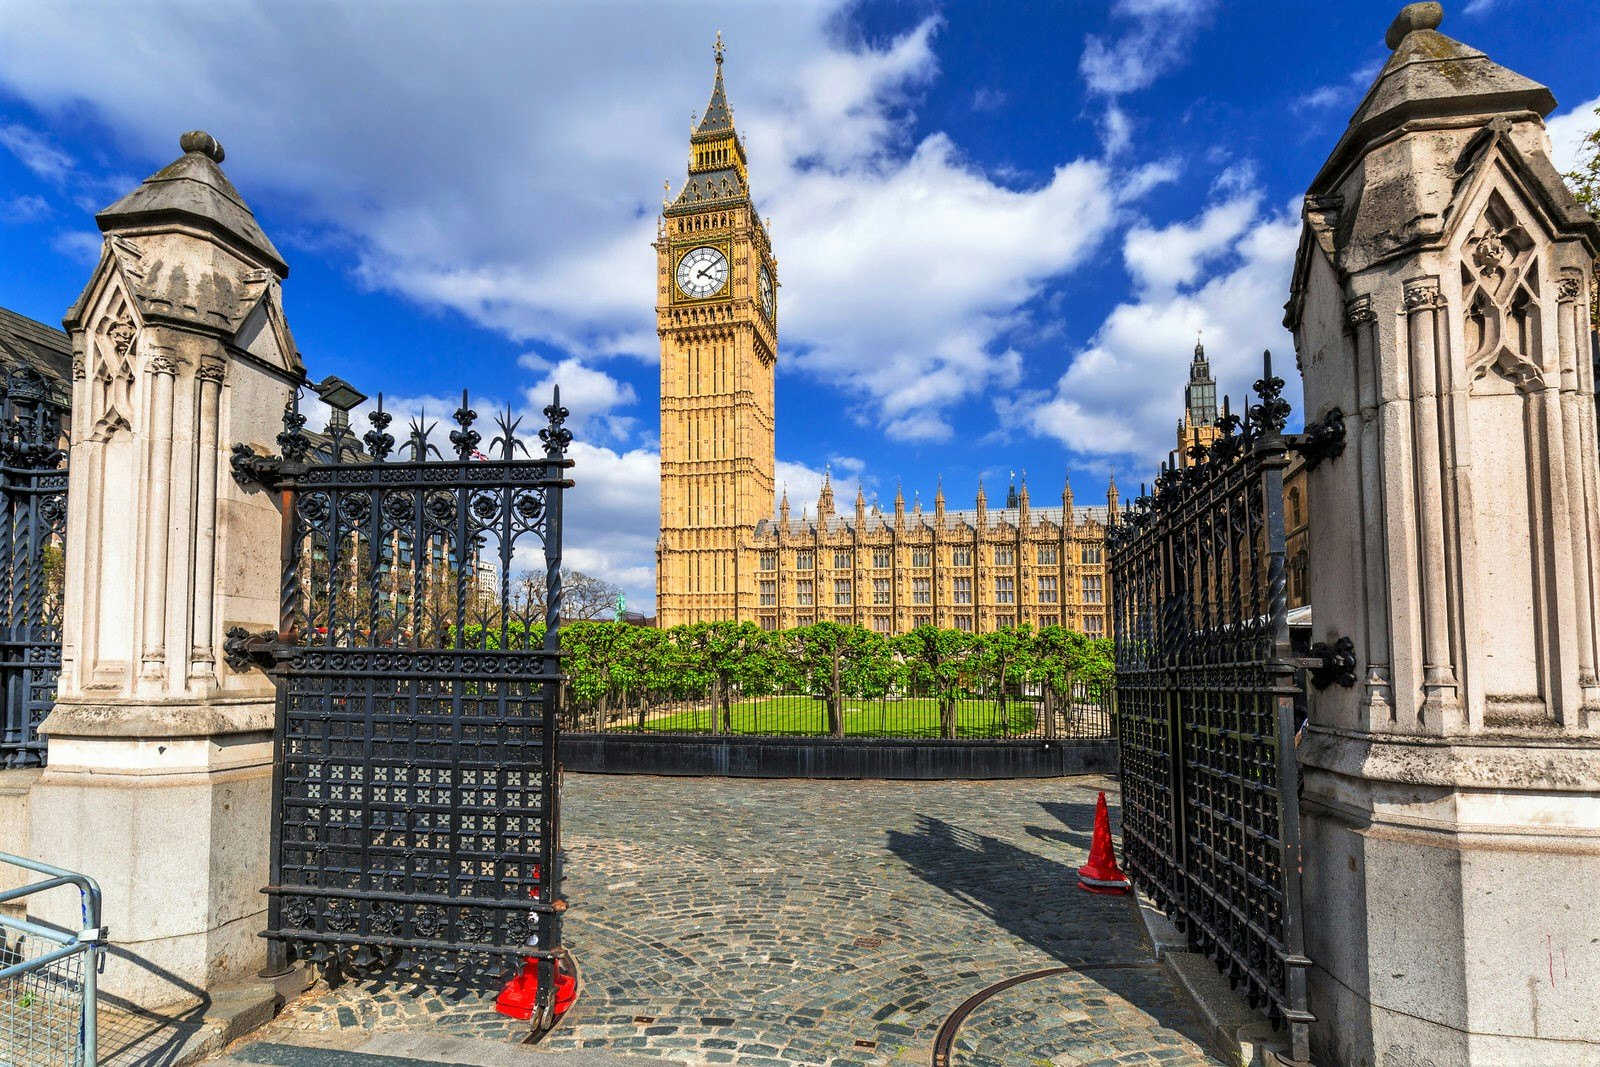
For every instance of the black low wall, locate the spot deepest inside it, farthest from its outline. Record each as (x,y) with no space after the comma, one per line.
(818,757)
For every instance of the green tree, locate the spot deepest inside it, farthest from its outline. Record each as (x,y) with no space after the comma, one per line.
(603,661)
(1584,181)
(732,657)
(837,660)
(1003,658)
(940,663)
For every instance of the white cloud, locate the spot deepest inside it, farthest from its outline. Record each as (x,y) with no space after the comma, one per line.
(1157,42)
(593,396)
(418,135)
(81,245)
(1122,394)
(1480,7)
(988,99)
(25,209)
(1163,259)
(36,152)
(1567,131)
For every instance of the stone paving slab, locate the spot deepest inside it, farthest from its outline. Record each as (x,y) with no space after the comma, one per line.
(767,923)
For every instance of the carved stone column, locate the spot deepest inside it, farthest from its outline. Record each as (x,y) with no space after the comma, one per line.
(160,759)
(1451,803)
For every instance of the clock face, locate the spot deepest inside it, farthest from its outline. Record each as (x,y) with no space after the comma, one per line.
(702,272)
(764,280)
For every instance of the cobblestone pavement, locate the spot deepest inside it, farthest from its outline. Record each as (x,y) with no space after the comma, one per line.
(766,923)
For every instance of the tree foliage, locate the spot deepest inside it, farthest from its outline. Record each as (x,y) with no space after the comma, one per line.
(1584,181)
(619,671)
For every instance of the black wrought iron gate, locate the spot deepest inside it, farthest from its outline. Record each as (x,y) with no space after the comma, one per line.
(415,795)
(33,493)
(1205,702)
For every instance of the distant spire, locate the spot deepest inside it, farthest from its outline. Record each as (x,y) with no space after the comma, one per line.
(1011,491)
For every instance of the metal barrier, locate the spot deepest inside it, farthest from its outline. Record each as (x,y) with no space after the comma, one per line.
(47,977)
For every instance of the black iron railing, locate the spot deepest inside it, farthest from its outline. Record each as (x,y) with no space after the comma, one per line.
(415,802)
(33,494)
(1205,706)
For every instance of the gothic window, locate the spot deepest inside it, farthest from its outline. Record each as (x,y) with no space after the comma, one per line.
(841,592)
(881,623)
(841,561)
(961,557)
(1047,589)
(769,622)
(921,557)
(1004,622)
(880,558)
(1294,508)
(769,594)
(1005,591)
(963,590)
(769,561)
(1094,625)
(1005,557)
(880,590)
(964,623)
(1049,620)
(920,591)
(1092,589)
(805,561)
(1091,554)
(1047,555)
(805,620)
(922,620)
(802,593)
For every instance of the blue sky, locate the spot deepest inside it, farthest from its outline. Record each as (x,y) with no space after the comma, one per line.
(999,226)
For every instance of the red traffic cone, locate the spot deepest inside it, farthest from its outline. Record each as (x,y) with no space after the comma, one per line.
(1101,874)
(521,994)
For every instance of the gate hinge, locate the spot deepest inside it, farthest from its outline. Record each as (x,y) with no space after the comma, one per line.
(1323,439)
(249,466)
(1332,663)
(243,649)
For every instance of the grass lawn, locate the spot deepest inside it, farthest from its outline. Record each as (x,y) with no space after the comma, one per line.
(804,716)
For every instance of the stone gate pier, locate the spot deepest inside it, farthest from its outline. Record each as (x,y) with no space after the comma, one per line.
(160,757)
(1451,803)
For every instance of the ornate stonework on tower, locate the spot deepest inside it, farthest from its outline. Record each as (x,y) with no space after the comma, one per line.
(716,313)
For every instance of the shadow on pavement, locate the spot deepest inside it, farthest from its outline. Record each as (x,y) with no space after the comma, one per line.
(1037,900)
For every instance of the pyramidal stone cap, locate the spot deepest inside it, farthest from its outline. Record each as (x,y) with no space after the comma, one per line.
(193,191)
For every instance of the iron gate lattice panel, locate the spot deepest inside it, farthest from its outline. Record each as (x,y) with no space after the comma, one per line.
(415,801)
(1205,707)
(33,493)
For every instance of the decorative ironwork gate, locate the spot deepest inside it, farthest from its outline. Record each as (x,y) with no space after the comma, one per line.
(415,807)
(1205,701)
(33,493)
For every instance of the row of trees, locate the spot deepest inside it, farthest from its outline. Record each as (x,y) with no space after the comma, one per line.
(610,665)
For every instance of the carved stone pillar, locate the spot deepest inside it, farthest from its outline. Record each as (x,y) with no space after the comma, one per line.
(1451,803)
(159,759)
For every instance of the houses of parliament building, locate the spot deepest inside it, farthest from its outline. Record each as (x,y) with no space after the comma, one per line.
(723,554)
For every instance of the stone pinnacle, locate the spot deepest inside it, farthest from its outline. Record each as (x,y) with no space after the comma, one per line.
(202,142)
(1413,17)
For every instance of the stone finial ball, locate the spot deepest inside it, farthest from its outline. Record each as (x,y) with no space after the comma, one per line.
(202,142)
(1413,17)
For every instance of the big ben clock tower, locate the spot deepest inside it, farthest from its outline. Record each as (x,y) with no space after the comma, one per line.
(716,313)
